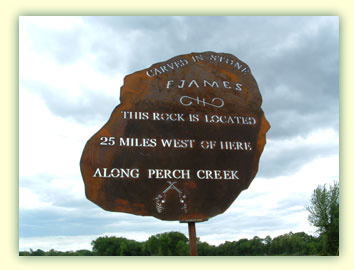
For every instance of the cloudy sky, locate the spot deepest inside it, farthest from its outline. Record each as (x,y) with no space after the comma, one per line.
(70,73)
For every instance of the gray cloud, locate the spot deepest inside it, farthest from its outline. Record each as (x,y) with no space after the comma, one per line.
(93,106)
(288,161)
(88,220)
(300,84)
(68,215)
(241,223)
(64,45)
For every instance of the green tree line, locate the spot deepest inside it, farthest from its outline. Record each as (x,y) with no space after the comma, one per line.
(323,214)
(176,244)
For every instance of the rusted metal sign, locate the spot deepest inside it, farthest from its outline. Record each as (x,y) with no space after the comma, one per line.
(185,140)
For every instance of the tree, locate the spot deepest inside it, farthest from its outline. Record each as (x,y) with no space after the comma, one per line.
(204,249)
(116,246)
(83,252)
(151,246)
(324,214)
(167,244)
(38,252)
(256,247)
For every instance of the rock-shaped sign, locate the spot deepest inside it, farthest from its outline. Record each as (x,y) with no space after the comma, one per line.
(183,143)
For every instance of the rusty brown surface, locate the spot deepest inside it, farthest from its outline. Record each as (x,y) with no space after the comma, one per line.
(180,199)
(192,239)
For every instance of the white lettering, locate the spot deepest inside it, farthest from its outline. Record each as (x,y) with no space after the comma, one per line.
(137,142)
(169,83)
(166,142)
(213,57)
(238,87)
(234,145)
(217,174)
(177,143)
(230,119)
(149,73)
(193,82)
(213,84)
(204,83)
(182,84)
(163,69)
(170,66)
(117,173)
(208,144)
(168,174)
(168,116)
(97,173)
(228,61)
(226,84)
(157,71)
(124,141)
(135,115)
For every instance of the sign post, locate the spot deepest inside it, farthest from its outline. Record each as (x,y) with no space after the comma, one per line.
(192,239)
(182,144)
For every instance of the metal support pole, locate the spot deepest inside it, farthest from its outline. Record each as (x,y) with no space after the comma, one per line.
(192,239)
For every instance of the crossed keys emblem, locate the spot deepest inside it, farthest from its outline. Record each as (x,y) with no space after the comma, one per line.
(187,101)
(160,200)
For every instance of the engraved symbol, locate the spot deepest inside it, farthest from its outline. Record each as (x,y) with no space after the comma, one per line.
(160,200)
(187,101)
